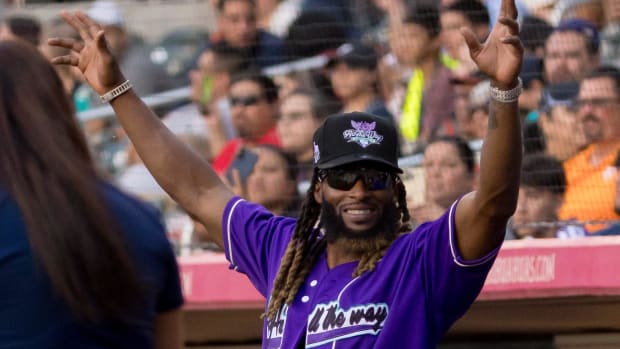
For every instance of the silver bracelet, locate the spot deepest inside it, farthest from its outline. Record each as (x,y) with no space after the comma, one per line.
(115,92)
(506,96)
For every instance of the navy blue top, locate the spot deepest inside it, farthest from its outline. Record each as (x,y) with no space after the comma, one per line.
(31,317)
(269,50)
(377,107)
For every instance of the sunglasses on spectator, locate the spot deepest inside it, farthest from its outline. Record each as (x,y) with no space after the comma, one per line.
(595,102)
(345,179)
(245,101)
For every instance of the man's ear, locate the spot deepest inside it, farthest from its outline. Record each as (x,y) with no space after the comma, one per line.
(318,192)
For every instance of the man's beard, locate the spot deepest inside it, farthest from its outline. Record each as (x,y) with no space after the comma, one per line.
(360,242)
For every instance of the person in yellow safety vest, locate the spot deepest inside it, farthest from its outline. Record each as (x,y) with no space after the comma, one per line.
(425,104)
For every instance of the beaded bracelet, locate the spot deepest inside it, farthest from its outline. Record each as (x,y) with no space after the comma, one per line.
(117,91)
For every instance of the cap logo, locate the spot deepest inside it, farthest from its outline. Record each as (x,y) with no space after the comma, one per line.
(363,133)
(317,153)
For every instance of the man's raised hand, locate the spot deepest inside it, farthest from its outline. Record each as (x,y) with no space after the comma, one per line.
(500,56)
(91,55)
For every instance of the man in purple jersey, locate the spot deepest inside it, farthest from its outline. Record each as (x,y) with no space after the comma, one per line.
(347,273)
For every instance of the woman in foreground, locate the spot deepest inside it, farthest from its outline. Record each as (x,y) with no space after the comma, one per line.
(81,264)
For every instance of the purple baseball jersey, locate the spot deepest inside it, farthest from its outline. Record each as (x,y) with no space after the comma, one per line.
(415,293)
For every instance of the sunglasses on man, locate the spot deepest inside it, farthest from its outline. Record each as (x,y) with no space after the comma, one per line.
(245,101)
(345,179)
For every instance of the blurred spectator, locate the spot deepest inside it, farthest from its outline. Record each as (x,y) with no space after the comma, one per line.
(534,34)
(314,32)
(587,10)
(560,129)
(462,13)
(301,113)
(532,76)
(614,229)
(209,108)
(353,74)
(610,34)
(339,10)
(293,80)
(463,87)
(177,51)
(541,194)
(254,109)
(374,17)
(423,100)
(273,183)
(590,174)
(475,126)
(571,51)
(22,27)
(237,27)
(136,180)
(275,16)
(449,173)
(133,55)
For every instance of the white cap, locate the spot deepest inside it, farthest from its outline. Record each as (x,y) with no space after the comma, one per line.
(106,12)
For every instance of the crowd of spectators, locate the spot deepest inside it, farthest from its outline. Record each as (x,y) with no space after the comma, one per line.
(273,70)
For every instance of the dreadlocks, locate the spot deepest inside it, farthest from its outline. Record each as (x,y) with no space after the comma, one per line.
(307,244)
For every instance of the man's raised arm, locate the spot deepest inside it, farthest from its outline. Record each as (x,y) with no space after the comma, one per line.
(180,171)
(481,216)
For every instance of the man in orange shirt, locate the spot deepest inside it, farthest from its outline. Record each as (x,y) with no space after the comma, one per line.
(590,174)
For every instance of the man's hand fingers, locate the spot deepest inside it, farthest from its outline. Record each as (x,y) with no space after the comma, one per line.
(65,60)
(93,27)
(508,9)
(69,43)
(512,24)
(512,39)
(472,42)
(77,25)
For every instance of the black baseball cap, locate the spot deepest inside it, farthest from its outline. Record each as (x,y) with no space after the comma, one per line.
(347,138)
(585,28)
(355,55)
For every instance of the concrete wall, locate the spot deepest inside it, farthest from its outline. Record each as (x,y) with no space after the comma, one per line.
(149,19)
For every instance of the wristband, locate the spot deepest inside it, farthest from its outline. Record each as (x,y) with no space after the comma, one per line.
(506,96)
(115,92)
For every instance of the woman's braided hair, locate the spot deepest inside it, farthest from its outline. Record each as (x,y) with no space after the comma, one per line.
(306,245)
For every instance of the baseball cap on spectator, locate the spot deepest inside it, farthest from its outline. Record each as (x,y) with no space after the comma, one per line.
(560,94)
(355,55)
(347,138)
(106,12)
(531,69)
(585,28)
